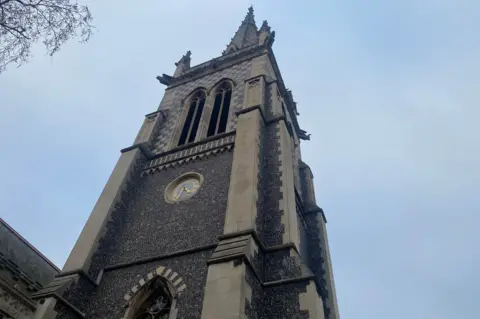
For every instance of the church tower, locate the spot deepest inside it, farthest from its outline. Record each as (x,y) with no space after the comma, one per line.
(211,212)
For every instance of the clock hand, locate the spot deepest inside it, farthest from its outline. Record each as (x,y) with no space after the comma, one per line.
(177,194)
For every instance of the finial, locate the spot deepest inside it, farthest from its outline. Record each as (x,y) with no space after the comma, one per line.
(249,17)
(183,64)
(246,35)
(185,58)
(265,27)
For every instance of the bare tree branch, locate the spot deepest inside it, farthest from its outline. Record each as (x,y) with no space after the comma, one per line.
(24,22)
(17,32)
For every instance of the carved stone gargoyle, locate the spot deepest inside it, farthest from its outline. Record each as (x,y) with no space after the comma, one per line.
(304,136)
(165,79)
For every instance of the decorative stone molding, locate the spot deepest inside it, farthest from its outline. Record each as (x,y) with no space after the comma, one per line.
(253,84)
(18,275)
(233,248)
(253,95)
(58,286)
(187,160)
(217,64)
(213,88)
(56,291)
(175,284)
(13,306)
(171,276)
(185,155)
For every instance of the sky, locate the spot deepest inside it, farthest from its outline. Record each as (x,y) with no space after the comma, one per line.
(389,91)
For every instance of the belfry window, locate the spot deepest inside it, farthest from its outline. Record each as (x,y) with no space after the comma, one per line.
(153,302)
(192,121)
(221,107)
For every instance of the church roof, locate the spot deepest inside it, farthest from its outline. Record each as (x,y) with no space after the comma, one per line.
(246,35)
(23,261)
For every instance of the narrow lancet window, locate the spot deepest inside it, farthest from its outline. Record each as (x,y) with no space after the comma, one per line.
(221,108)
(190,128)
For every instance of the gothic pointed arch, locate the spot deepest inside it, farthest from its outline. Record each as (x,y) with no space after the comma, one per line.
(221,108)
(154,297)
(153,301)
(195,104)
(213,88)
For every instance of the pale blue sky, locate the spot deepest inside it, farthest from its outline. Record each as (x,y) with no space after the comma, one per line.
(390,93)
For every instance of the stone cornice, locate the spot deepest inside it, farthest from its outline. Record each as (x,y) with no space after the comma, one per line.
(237,247)
(161,257)
(141,146)
(185,154)
(153,114)
(308,208)
(30,246)
(17,293)
(79,272)
(287,281)
(18,274)
(66,303)
(57,288)
(191,145)
(266,121)
(260,244)
(218,64)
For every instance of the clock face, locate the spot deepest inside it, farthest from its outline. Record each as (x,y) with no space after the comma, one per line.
(185,189)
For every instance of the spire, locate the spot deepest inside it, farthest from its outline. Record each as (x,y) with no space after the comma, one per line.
(246,35)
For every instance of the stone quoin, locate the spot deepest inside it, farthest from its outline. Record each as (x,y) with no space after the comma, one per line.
(211,213)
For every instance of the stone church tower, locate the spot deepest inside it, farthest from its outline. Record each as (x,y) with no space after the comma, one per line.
(211,212)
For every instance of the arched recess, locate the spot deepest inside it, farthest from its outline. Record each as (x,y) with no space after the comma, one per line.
(192,116)
(155,297)
(222,98)
(214,87)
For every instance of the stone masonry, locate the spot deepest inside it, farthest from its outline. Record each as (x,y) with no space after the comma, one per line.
(251,243)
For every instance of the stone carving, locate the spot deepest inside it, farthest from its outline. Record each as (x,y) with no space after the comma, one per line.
(14,307)
(151,118)
(165,79)
(26,266)
(186,160)
(253,84)
(182,65)
(198,151)
(254,93)
(157,309)
(154,297)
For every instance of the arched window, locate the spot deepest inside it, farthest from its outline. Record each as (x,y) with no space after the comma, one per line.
(218,121)
(154,301)
(189,131)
